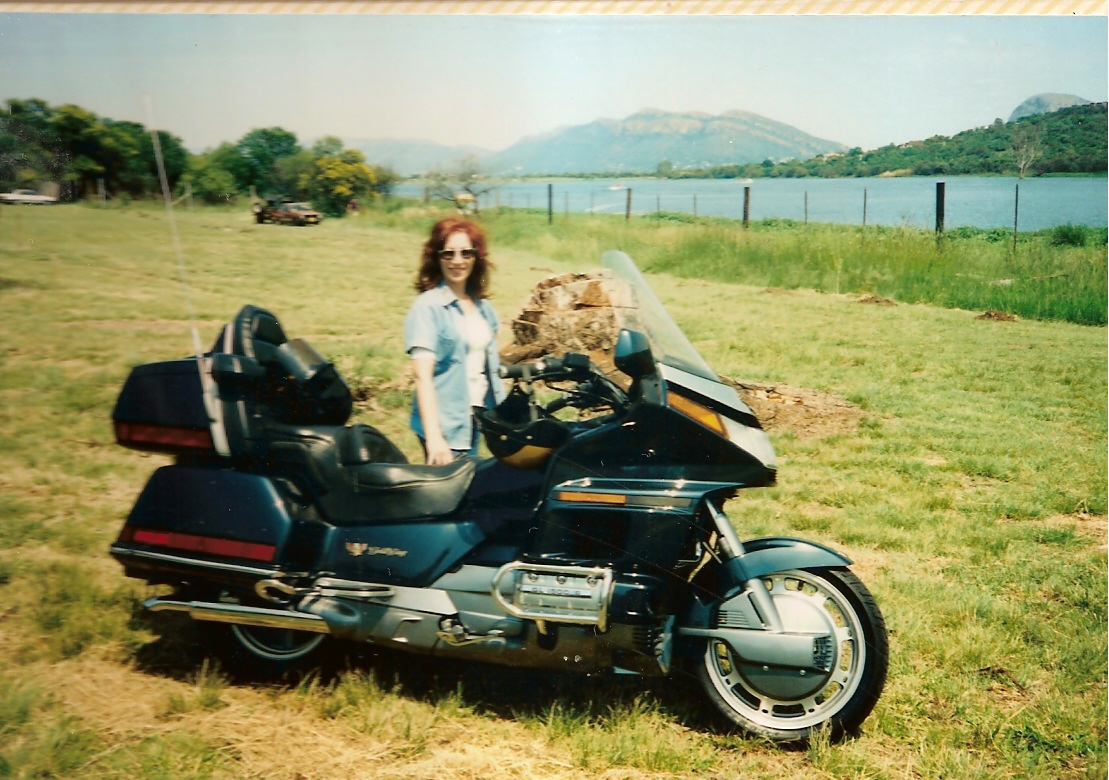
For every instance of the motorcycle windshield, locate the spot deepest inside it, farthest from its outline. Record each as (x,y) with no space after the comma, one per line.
(647,314)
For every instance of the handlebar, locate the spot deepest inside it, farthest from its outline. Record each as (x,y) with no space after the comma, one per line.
(571,364)
(593,388)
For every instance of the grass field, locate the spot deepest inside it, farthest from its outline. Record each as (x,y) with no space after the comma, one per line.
(970,489)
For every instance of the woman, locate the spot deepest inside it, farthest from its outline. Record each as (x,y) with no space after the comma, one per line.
(451,334)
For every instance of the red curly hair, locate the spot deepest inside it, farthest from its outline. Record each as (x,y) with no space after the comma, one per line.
(431,273)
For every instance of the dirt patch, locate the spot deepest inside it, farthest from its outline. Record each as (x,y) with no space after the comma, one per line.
(997,316)
(1094,527)
(807,413)
(875,300)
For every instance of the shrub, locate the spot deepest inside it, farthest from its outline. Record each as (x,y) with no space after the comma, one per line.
(1069,235)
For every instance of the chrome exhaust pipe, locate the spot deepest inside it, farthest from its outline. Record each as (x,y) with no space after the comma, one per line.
(243,616)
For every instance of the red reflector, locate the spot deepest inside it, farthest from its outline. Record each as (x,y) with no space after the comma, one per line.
(142,434)
(209,545)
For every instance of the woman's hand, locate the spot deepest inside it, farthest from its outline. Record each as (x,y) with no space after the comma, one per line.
(438,451)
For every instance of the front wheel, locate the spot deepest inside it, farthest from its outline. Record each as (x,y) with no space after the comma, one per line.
(786,704)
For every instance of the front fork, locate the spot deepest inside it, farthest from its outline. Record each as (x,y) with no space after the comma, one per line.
(732,552)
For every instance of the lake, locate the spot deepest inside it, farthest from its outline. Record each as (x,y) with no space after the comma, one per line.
(977,201)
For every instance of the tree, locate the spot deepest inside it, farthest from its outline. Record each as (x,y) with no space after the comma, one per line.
(338,178)
(121,154)
(80,136)
(329,144)
(292,174)
(462,186)
(211,182)
(259,150)
(1026,147)
(29,151)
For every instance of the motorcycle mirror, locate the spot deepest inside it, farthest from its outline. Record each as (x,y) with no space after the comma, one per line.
(633,354)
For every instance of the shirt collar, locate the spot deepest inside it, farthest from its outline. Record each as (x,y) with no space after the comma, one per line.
(445,296)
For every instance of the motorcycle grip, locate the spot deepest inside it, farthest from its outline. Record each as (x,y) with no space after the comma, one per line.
(520,370)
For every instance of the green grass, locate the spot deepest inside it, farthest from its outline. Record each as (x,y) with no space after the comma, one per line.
(972,496)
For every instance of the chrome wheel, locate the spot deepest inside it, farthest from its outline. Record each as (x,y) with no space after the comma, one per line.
(785,703)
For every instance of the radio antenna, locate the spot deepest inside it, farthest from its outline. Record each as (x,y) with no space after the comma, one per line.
(167,198)
(207,384)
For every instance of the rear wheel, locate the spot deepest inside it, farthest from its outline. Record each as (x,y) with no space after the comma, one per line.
(255,653)
(276,645)
(787,704)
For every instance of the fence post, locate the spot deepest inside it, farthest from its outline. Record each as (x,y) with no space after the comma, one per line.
(940,191)
(695,205)
(806,207)
(658,205)
(746,207)
(550,203)
(1016,214)
(628,208)
(864,207)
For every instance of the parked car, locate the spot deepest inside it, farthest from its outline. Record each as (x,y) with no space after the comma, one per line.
(296,214)
(26,197)
(285,212)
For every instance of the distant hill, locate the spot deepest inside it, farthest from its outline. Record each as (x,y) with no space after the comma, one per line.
(642,141)
(1045,104)
(1069,140)
(412,157)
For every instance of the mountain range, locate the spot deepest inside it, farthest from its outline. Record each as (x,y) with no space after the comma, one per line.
(639,143)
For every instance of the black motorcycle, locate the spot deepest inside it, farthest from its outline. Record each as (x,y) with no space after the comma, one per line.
(595,538)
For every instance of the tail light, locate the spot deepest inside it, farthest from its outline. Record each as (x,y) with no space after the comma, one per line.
(207,545)
(162,438)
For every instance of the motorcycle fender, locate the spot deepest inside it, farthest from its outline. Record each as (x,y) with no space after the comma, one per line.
(771,554)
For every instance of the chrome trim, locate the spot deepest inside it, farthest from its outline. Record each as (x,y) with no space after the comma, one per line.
(197,562)
(436,602)
(240,615)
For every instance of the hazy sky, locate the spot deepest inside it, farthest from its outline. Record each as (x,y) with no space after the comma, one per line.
(488,81)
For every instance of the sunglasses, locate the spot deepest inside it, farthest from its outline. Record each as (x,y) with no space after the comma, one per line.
(467,254)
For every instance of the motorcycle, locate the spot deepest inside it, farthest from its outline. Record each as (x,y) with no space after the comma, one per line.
(593,540)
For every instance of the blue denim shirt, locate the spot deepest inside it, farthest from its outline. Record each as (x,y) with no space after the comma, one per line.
(434,322)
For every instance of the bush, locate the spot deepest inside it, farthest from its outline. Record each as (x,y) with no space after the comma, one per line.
(1069,235)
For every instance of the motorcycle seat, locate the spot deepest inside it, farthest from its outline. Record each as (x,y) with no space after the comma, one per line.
(360,478)
(398,492)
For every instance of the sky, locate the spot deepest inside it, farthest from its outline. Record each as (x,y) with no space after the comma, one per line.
(488,81)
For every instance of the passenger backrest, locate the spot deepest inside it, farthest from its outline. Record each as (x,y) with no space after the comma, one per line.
(257,334)
(240,358)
